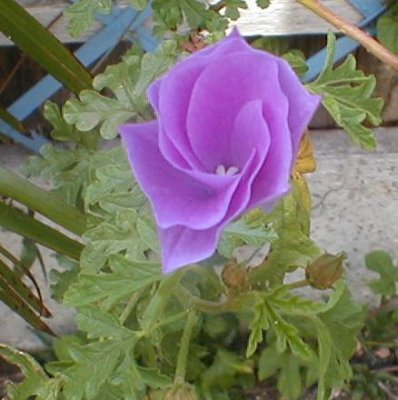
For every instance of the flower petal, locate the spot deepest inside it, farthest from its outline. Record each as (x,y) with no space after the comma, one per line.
(182,246)
(219,94)
(302,104)
(193,200)
(250,132)
(272,181)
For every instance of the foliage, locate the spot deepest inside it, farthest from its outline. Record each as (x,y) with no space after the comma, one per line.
(387,28)
(29,35)
(240,324)
(381,263)
(346,95)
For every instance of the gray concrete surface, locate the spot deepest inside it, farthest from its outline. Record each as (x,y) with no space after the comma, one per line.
(355,209)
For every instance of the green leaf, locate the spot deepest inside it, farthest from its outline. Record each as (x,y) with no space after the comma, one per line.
(97,324)
(61,280)
(94,109)
(16,304)
(115,236)
(258,325)
(16,221)
(11,282)
(159,301)
(62,131)
(11,120)
(114,188)
(128,81)
(170,14)
(46,203)
(297,61)
(73,170)
(127,277)
(232,8)
(93,366)
(263,3)
(287,369)
(269,317)
(147,230)
(381,262)
(36,382)
(81,14)
(30,36)
(337,332)
(387,28)
(139,4)
(243,232)
(346,95)
(293,247)
(225,369)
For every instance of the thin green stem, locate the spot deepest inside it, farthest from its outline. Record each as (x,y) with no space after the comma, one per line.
(298,284)
(179,377)
(45,203)
(130,306)
(370,44)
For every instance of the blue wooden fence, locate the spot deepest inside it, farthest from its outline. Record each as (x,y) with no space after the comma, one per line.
(117,24)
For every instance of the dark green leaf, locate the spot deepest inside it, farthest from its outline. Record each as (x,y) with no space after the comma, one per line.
(23,224)
(46,203)
(387,28)
(11,120)
(29,35)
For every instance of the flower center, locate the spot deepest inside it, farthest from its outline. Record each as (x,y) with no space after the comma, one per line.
(221,170)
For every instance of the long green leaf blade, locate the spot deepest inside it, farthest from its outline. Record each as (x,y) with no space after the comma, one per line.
(46,203)
(16,221)
(13,282)
(11,120)
(33,38)
(17,305)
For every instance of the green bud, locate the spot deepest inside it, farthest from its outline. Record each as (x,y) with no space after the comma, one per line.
(326,270)
(181,392)
(235,277)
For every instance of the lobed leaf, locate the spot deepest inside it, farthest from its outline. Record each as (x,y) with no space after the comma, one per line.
(81,14)
(346,95)
(381,262)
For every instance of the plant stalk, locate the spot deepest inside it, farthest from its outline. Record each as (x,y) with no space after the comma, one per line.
(179,377)
(368,42)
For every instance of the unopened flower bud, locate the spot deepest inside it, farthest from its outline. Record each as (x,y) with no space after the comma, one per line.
(184,392)
(326,270)
(234,276)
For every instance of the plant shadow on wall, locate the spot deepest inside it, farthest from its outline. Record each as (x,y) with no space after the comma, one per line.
(205,326)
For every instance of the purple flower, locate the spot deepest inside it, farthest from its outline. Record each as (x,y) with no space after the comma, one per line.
(229,123)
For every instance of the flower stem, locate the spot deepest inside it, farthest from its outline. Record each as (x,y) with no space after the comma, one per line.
(298,284)
(370,44)
(181,367)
